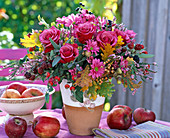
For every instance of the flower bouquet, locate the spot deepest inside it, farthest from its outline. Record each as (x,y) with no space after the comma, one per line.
(87,51)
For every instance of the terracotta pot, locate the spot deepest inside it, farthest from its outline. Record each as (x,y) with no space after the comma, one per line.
(81,120)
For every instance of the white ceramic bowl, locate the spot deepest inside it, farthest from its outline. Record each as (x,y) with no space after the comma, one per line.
(23,106)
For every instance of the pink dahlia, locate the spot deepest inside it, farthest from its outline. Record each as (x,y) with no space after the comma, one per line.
(97,68)
(91,47)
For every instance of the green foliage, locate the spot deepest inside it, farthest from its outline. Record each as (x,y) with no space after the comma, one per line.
(106,89)
(78,94)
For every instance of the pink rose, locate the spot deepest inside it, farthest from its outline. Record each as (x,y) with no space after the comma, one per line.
(52,33)
(130,33)
(68,52)
(127,36)
(85,32)
(105,37)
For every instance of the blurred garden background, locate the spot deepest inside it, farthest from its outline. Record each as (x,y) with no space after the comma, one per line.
(18,17)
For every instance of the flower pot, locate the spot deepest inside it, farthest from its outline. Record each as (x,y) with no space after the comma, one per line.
(81,119)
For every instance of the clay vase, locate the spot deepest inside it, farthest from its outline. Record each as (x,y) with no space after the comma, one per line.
(81,120)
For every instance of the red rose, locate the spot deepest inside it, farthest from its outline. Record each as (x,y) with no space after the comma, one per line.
(68,52)
(52,33)
(105,37)
(85,32)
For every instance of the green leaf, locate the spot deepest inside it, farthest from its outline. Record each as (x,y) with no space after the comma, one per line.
(55,61)
(78,68)
(78,94)
(145,55)
(22,60)
(51,53)
(47,97)
(54,44)
(69,65)
(50,88)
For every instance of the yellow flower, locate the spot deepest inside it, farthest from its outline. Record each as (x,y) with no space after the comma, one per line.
(31,41)
(28,41)
(36,37)
(130,60)
(31,56)
(53,24)
(65,40)
(119,41)
(72,39)
(107,51)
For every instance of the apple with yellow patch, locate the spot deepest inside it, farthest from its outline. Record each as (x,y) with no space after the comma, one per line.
(11,93)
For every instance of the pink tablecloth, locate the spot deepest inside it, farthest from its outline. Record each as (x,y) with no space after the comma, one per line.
(64,132)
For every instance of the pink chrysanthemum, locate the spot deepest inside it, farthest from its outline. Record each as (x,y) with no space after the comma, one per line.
(97,68)
(91,46)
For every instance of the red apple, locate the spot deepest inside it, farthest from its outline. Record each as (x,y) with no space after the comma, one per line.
(63,113)
(45,126)
(31,92)
(17,86)
(141,115)
(119,118)
(128,110)
(11,93)
(15,127)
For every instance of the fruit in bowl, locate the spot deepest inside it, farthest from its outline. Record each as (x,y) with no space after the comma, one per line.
(20,87)
(45,126)
(11,93)
(23,107)
(15,127)
(141,115)
(31,92)
(120,117)
(19,90)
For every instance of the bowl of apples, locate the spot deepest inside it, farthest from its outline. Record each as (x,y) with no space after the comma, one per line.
(17,99)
